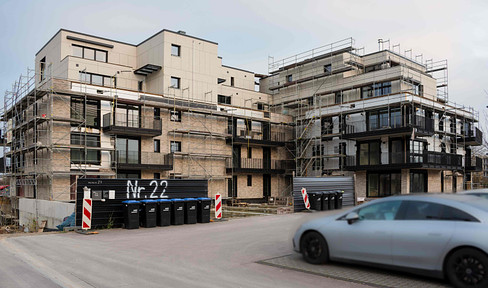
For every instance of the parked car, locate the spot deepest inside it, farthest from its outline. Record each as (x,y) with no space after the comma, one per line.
(477,192)
(441,235)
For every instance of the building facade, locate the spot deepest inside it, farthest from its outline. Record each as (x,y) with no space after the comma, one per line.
(165,108)
(382,117)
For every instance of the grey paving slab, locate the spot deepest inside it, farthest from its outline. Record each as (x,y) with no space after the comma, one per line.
(355,273)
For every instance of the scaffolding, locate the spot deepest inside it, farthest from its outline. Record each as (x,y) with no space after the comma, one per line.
(323,90)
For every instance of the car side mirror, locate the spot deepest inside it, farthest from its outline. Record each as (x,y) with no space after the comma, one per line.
(352,217)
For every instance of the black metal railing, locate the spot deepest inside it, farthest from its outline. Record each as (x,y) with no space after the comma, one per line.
(117,120)
(258,164)
(144,158)
(274,136)
(393,122)
(427,158)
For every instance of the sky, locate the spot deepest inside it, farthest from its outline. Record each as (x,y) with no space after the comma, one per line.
(249,31)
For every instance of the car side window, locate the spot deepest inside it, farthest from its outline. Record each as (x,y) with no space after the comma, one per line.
(453,214)
(420,210)
(380,211)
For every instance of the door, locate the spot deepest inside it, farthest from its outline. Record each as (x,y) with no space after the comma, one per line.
(369,238)
(420,236)
(266,158)
(266,186)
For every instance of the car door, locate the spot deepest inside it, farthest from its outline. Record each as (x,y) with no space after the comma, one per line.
(421,235)
(369,238)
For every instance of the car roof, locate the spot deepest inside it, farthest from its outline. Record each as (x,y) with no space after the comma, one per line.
(455,200)
(475,191)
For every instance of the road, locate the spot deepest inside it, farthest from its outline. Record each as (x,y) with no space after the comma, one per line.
(222,254)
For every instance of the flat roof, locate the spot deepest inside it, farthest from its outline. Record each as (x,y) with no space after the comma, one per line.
(125,43)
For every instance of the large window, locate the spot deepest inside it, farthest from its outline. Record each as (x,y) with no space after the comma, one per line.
(376,89)
(90,112)
(418,181)
(395,117)
(82,155)
(416,151)
(369,153)
(384,184)
(157,145)
(396,151)
(96,79)
(128,150)
(90,53)
(175,146)
(127,116)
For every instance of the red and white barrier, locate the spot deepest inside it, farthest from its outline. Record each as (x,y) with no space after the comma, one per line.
(87,214)
(305,198)
(218,206)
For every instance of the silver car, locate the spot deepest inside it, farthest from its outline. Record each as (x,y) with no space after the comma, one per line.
(432,234)
(483,193)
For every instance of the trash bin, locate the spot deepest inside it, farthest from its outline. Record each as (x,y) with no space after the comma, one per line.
(325,200)
(332,196)
(203,210)
(131,214)
(148,213)
(177,211)
(338,199)
(190,210)
(164,212)
(315,199)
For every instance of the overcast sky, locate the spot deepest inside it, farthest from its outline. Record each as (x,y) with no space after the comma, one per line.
(250,31)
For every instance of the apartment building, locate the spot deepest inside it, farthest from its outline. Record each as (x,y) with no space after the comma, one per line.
(164,108)
(382,117)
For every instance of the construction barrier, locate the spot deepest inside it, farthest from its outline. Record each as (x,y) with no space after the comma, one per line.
(218,206)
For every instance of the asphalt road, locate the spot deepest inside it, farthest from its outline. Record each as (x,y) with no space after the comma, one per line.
(220,254)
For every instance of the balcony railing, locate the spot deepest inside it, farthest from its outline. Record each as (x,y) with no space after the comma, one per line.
(121,124)
(143,160)
(473,137)
(428,159)
(258,164)
(423,124)
(474,164)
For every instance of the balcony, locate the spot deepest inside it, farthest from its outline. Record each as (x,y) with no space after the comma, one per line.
(135,160)
(474,166)
(122,125)
(258,138)
(473,138)
(432,160)
(361,129)
(250,165)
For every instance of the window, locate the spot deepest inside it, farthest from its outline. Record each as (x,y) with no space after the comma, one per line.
(378,89)
(260,106)
(338,97)
(139,86)
(96,79)
(220,80)
(89,53)
(378,120)
(90,112)
(416,151)
(249,152)
(82,155)
(383,184)
(128,174)
(221,99)
(157,175)
(418,181)
(380,211)
(232,81)
(175,116)
(175,82)
(395,117)
(289,78)
(175,146)
(157,113)
(43,69)
(369,153)
(396,151)
(175,50)
(249,180)
(127,116)
(327,126)
(157,145)
(128,150)
(328,68)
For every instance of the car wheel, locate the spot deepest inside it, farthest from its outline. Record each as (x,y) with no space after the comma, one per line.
(314,248)
(468,267)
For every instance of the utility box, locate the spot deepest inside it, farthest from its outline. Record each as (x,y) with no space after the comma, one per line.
(203,210)
(164,212)
(148,213)
(177,211)
(190,210)
(131,214)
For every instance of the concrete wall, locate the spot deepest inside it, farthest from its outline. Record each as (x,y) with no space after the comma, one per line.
(52,211)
